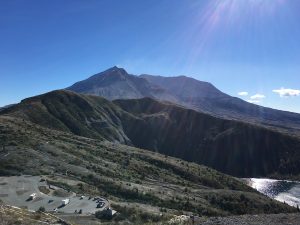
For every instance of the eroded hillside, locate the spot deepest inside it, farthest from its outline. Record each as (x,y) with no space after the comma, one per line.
(232,147)
(148,182)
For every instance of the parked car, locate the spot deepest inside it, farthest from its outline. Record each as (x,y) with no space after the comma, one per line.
(100,205)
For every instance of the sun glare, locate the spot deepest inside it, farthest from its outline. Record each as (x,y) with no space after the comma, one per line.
(234,10)
(227,17)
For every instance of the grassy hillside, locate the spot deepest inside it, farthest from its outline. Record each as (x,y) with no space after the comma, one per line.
(229,146)
(143,186)
(12,215)
(66,111)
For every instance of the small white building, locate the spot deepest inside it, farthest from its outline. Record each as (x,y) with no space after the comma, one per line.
(66,201)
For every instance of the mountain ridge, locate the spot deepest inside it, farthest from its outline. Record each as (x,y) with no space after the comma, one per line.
(115,83)
(233,147)
(188,92)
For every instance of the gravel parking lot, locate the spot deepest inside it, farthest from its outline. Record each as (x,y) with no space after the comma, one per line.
(16,191)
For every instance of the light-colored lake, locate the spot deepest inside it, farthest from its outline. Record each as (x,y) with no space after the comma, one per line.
(281,190)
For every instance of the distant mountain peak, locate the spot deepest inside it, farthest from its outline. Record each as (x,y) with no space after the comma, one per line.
(116,83)
(115,69)
(115,72)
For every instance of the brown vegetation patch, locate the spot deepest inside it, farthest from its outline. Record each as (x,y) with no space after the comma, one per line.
(61,193)
(44,189)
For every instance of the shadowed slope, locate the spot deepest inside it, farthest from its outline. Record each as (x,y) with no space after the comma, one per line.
(233,147)
(205,97)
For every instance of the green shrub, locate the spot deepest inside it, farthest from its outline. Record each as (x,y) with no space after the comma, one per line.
(42,209)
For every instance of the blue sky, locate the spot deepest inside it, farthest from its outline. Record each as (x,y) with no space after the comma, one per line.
(238,45)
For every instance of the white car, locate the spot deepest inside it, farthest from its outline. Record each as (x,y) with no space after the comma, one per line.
(32,196)
(66,201)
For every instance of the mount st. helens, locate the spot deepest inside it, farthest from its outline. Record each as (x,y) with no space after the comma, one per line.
(116,83)
(233,147)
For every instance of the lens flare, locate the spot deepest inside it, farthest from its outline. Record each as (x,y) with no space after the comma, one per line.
(221,17)
(230,11)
